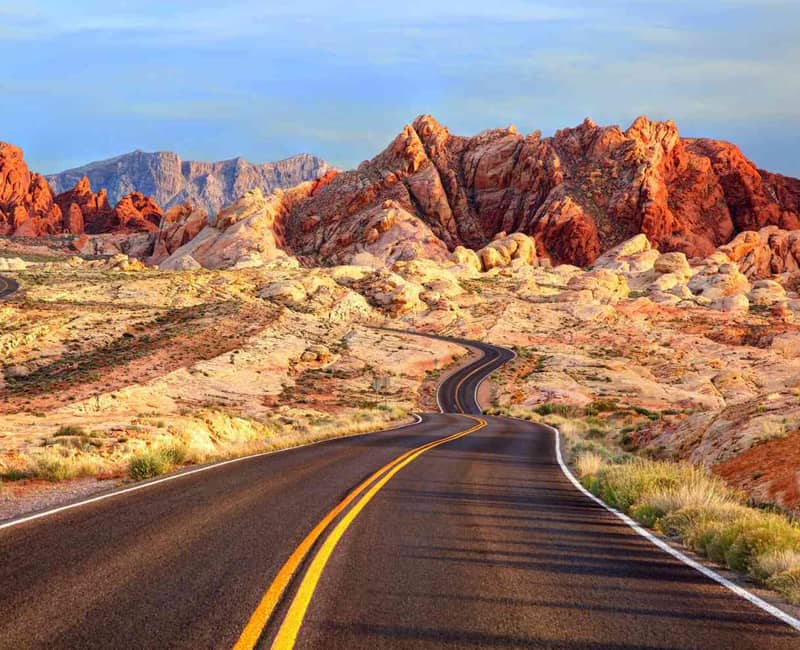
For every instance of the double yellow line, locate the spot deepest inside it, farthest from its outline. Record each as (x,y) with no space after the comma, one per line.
(474,371)
(362,495)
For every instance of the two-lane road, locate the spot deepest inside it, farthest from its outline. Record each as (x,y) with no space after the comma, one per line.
(457,532)
(8,287)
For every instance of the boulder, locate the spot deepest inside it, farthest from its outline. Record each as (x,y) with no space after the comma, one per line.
(717,281)
(733,303)
(600,285)
(673,263)
(183,262)
(467,258)
(767,293)
(506,249)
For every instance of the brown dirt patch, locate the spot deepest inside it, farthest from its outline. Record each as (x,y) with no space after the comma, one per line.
(770,470)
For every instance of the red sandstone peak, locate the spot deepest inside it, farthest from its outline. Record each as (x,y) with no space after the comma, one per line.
(579,193)
(83,186)
(28,207)
(26,202)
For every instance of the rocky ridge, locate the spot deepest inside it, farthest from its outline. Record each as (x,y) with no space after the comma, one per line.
(171,181)
(28,207)
(578,194)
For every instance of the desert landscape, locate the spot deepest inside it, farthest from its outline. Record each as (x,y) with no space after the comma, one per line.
(440,326)
(647,284)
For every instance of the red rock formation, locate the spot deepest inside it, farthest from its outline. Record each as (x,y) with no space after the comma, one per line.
(88,212)
(28,208)
(26,202)
(84,211)
(134,213)
(768,252)
(579,193)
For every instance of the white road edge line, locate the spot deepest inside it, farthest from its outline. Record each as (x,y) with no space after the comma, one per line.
(709,573)
(173,477)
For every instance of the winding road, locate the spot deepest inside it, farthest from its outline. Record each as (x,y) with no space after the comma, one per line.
(8,287)
(458,531)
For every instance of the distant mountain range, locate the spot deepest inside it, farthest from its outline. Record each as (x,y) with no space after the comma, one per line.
(172,181)
(578,193)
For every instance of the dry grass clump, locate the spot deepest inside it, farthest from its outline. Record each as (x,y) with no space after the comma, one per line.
(153,462)
(589,463)
(55,465)
(206,435)
(693,505)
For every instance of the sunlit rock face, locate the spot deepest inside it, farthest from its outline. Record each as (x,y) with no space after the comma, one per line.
(579,193)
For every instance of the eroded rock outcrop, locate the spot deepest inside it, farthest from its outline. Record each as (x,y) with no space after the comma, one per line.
(26,202)
(87,212)
(770,251)
(29,209)
(578,193)
(249,229)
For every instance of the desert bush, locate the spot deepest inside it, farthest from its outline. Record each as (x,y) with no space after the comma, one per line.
(774,562)
(787,583)
(70,430)
(51,467)
(589,464)
(564,410)
(60,466)
(148,464)
(600,406)
(693,505)
(175,454)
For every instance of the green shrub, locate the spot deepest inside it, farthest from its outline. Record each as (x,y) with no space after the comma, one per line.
(14,475)
(174,454)
(148,464)
(691,504)
(650,415)
(601,405)
(70,430)
(564,410)
(647,514)
(154,462)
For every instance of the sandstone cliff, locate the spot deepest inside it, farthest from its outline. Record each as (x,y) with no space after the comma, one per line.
(579,193)
(26,202)
(28,207)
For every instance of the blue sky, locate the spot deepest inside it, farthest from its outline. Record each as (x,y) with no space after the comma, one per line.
(81,81)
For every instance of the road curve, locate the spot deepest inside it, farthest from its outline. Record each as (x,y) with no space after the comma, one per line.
(8,287)
(456,532)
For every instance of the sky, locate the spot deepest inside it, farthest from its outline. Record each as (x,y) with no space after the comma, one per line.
(86,80)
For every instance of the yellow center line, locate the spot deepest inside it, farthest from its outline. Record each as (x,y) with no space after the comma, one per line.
(467,376)
(258,621)
(287,634)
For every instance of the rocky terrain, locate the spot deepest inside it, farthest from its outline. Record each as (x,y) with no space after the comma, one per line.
(171,181)
(648,283)
(578,194)
(644,352)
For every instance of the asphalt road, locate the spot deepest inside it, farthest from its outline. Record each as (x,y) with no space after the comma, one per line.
(8,287)
(457,532)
